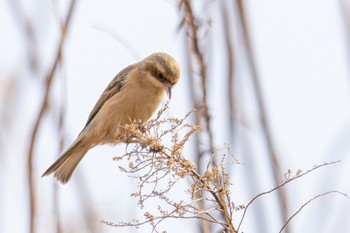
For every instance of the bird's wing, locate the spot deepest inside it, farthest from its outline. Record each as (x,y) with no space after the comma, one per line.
(113,88)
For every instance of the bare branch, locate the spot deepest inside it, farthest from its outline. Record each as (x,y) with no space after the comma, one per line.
(308,202)
(287,179)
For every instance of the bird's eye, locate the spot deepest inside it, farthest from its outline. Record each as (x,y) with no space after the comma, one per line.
(161,76)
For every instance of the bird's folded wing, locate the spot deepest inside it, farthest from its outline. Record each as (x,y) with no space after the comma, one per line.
(113,88)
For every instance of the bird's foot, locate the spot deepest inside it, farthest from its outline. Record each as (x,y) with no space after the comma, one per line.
(156,149)
(142,128)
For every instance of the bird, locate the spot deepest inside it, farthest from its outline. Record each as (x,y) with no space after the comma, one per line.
(133,95)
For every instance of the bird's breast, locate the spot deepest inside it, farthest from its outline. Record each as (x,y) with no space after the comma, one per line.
(126,107)
(141,104)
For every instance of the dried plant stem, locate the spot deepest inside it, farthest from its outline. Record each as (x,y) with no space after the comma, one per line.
(287,180)
(308,202)
(275,164)
(202,116)
(230,66)
(205,186)
(40,116)
(192,29)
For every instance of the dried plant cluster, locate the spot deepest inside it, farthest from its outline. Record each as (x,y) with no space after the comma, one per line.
(160,167)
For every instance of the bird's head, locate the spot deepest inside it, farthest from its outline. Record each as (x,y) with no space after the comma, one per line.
(163,71)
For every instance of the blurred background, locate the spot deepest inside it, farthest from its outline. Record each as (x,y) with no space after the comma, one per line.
(269,78)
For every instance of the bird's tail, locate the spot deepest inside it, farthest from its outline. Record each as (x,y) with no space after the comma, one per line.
(65,165)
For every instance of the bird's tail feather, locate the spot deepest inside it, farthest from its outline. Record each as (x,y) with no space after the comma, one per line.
(65,165)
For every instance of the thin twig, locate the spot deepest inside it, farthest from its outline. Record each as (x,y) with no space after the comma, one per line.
(288,180)
(308,202)
(42,111)
(230,69)
(160,218)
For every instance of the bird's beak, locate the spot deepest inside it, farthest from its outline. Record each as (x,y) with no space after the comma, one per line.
(167,88)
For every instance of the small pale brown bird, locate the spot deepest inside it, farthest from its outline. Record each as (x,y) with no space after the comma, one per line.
(132,96)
